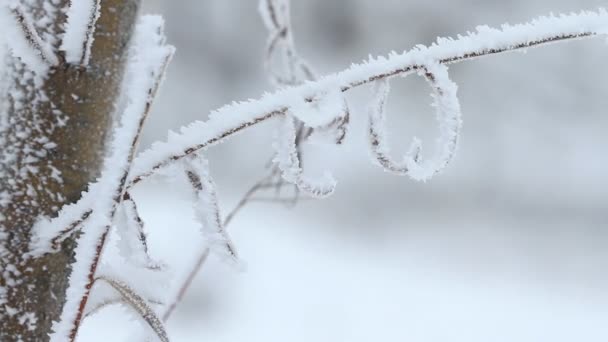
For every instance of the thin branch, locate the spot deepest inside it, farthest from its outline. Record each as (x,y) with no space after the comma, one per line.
(135,222)
(221,136)
(187,283)
(272,13)
(87,44)
(133,214)
(67,232)
(448,116)
(261,184)
(139,305)
(212,132)
(109,302)
(102,305)
(470,55)
(207,208)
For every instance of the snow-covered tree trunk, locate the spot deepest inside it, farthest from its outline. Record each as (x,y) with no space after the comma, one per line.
(53,130)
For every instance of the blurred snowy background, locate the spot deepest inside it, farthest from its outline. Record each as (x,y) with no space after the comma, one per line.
(508,244)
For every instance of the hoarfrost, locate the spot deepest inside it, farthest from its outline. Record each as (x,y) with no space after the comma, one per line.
(226,121)
(448,117)
(288,161)
(82,16)
(206,208)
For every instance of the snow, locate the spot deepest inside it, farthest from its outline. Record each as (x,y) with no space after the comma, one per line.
(143,64)
(340,290)
(315,104)
(288,161)
(131,244)
(230,119)
(149,58)
(325,108)
(465,277)
(139,305)
(80,30)
(448,116)
(206,207)
(19,46)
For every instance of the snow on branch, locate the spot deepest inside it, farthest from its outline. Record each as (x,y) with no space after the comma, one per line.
(82,17)
(448,116)
(207,210)
(284,64)
(149,58)
(43,49)
(317,105)
(23,39)
(286,68)
(139,305)
(132,233)
(289,163)
(146,69)
(234,118)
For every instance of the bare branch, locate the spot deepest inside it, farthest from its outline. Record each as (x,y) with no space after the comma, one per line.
(262,184)
(102,305)
(187,283)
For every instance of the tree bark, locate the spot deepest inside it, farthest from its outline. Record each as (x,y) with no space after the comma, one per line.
(51,146)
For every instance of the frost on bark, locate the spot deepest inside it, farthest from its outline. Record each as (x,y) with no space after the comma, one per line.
(53,129)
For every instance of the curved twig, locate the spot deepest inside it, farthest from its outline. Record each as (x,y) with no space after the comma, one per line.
(448,116)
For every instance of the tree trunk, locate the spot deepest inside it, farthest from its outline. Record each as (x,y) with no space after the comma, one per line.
(52,137)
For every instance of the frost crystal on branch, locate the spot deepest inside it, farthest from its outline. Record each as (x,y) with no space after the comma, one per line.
(448,116)
(228,120)
(207,210)
(139,305)
(288,161)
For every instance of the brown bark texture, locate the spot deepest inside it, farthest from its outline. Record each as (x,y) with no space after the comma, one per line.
(51,147)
